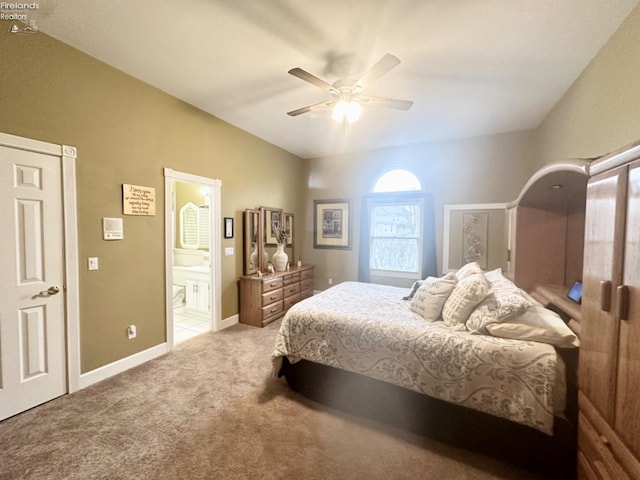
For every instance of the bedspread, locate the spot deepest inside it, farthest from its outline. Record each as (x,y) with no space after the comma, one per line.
(368,329)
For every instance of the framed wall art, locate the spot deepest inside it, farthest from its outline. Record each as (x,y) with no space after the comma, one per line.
(228,227)
(474,233)
(331,224)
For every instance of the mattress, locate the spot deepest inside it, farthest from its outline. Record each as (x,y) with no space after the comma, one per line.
(369,329)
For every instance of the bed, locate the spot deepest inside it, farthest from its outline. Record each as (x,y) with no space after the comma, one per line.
(368,348)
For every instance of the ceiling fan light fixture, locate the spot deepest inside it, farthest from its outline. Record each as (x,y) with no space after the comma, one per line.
(347,110)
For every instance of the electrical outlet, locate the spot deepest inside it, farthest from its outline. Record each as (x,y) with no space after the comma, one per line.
(131,331)
(330,280)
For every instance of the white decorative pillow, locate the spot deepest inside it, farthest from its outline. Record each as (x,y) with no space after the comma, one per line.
(430,297)
(468,269)
(538,324)
(467,293)
(504,302)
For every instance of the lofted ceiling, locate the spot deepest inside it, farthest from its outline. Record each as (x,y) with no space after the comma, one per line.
(471,67)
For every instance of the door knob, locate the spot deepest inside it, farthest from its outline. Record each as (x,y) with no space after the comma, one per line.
(50,291)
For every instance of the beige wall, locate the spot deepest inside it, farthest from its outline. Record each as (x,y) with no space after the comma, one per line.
(477,170)
(601,111)
(127,132)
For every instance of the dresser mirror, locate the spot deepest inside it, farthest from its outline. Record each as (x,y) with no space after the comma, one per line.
(271,223)
(289,223)
(261,228)
(252,234)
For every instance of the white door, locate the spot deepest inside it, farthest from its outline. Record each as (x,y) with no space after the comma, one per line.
(32,317)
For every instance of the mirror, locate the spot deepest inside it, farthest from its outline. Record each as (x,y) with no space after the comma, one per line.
(289,225)
(271,221)
(190,226)
(260,243)
(252,256)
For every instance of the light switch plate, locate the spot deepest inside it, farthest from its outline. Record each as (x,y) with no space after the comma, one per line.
(228,251)
(93,263)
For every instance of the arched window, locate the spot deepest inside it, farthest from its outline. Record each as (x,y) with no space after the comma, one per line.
(398,180)
(400,242)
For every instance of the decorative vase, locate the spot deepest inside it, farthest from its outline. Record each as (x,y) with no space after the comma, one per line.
(280,258)
(253,259)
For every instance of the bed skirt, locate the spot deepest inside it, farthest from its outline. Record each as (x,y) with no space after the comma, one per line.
(555,456)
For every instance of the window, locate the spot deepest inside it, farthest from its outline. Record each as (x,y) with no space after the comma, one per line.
(395,232)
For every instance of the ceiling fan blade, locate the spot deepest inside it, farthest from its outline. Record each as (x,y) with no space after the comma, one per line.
(386,102)
(307,77)
(315,106)
(384,65)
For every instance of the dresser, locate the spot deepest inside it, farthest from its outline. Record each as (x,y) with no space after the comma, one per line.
(266,298)
(609,371)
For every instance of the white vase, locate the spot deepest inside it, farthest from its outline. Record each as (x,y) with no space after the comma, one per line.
(280,258)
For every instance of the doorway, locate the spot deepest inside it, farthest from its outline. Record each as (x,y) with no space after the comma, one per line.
(39,286)
(192,252)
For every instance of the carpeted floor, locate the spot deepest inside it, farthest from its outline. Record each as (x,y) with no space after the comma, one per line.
(211,410)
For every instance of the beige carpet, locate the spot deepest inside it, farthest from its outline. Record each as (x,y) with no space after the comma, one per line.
(211,410)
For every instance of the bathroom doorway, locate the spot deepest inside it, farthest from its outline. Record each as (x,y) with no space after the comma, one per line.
(192,224)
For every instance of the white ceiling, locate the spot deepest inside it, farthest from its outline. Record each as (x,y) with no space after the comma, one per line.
(472,67)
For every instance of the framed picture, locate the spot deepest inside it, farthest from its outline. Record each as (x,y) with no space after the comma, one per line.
(331,224)
(272,223)
(228,227)
(474,233)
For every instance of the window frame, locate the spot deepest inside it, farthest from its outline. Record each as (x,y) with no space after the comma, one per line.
(399,197)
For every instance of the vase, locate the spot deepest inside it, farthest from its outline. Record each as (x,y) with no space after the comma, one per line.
(280,258)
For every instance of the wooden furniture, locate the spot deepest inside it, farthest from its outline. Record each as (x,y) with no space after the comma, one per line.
(546,227)
(609,372)
(265,298)
(259,242)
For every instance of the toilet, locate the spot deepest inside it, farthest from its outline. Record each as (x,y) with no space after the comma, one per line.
(178,296)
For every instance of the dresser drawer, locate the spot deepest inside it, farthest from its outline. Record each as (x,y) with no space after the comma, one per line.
(271,284)
(307,284)
(271,312)
(290,301)
(308,273)
(271,296)
(292,289)
(292,278)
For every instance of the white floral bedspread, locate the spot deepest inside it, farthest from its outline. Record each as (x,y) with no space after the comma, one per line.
(368,329)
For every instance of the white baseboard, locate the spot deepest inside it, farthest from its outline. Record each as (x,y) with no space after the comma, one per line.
(229,321)
(122,365)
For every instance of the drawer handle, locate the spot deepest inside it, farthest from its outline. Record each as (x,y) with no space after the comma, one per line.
(274,309)
(605,295)
(273,297)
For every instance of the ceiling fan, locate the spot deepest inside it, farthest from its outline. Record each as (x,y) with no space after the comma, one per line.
(348,95)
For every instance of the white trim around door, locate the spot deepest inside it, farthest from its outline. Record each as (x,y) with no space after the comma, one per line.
(67,155)
(215,222)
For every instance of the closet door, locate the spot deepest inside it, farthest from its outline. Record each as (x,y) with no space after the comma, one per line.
(603,254)
(627,420)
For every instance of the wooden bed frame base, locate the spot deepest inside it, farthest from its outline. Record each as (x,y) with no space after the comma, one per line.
(445,422)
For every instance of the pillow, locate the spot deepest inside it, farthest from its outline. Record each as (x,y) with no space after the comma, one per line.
(414,288)
(504,302)
(467,293)
(538,324)
(430,297)
(468,269)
